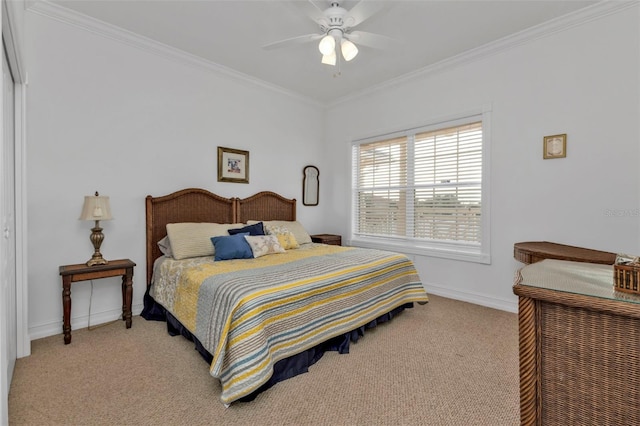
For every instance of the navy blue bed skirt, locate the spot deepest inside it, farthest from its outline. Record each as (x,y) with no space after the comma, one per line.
(283,369)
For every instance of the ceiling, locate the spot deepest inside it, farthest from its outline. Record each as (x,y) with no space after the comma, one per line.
(232,33)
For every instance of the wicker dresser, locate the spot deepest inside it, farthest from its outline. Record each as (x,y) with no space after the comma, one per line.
(535,251)
(579,346)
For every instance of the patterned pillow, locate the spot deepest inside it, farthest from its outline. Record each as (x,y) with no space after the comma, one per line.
(301,234)
(285,237)
(263,244)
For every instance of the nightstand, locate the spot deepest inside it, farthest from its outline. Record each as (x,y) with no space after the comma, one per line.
(331,239)
(82,272)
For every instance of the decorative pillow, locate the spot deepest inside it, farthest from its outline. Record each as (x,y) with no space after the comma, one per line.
(296,228)
(191,239)
(255,229)
(285,237)
(232,247)
(165,246)
(263,244)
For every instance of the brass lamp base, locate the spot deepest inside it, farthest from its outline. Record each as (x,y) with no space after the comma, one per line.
(97,260)
(96,239)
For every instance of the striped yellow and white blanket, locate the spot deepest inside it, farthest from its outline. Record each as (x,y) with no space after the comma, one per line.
(250,313)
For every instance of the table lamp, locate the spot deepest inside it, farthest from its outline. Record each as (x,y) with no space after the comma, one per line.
(96,208)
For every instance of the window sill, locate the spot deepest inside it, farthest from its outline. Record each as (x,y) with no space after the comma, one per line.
(465,254)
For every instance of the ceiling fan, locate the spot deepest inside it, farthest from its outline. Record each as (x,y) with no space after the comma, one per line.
(337,29)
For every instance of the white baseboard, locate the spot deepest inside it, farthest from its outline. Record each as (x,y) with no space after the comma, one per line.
(53,328)
(471,297)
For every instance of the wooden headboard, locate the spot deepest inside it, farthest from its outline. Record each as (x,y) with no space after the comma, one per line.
(200,205)
(265,205)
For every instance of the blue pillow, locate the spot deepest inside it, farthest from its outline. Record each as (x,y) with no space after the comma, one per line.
(232,247)
(255,229)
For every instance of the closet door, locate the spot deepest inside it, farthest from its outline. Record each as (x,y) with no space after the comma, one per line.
(8,230)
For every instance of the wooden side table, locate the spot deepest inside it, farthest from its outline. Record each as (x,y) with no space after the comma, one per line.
(331,239)
(82,272)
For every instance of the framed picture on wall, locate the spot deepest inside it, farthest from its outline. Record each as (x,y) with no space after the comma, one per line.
(233,165)
(554,146)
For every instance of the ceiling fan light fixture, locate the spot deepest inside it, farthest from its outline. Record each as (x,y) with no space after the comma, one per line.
(349,50)
(327,45)
(329,59)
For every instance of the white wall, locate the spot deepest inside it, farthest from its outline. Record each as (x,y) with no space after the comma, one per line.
(104,115)
(583,81)
(107,116)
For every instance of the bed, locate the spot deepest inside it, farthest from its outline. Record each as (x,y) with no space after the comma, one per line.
(263,316)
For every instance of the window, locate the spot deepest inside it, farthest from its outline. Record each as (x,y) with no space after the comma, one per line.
(423,190)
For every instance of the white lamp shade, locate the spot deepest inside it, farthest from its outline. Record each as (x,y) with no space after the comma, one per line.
(349,50)
(329,59)
(96,207)
(327,45)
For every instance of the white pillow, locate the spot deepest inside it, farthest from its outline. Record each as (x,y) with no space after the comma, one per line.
(296,228)
(263,244)
(190,239)
(165,246)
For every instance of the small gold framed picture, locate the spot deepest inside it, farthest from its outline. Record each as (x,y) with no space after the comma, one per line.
(554,146)
(233,165)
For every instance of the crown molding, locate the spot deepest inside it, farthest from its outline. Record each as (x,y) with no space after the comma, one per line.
(95,26)
(556,25)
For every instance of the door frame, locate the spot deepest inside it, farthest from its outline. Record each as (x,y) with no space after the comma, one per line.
(13,49)
(11,44)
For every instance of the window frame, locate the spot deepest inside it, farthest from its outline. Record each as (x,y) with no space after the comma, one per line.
(480,253)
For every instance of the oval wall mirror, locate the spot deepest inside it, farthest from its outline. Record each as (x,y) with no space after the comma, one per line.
(310,186)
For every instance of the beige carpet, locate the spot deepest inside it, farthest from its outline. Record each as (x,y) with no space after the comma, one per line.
(445,363)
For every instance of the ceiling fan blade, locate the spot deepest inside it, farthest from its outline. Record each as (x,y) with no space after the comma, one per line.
(362,11)
(319,9)
(375,41)
(293,41)
(312,10)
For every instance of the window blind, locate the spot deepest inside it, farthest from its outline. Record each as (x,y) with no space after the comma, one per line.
(422,186)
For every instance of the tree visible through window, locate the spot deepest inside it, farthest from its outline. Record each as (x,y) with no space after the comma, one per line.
(421,186)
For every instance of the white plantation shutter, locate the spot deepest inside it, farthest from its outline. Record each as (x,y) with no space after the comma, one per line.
(382,187)
(448,184)
(423,187)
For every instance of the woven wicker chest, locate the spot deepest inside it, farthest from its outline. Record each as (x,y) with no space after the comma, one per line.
(579,346)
